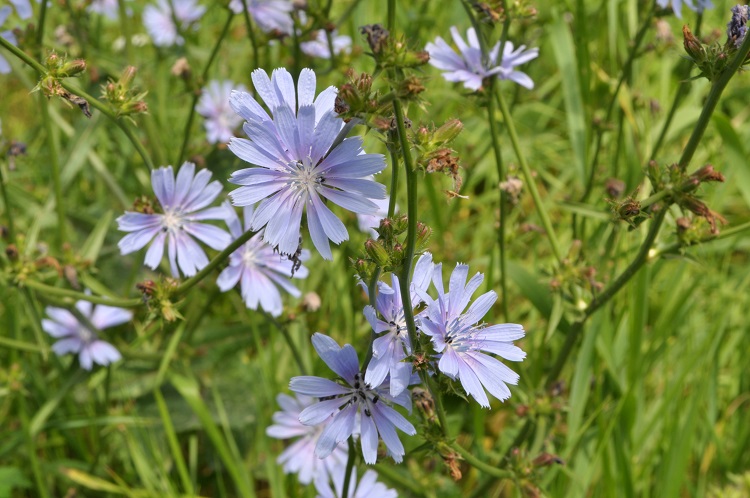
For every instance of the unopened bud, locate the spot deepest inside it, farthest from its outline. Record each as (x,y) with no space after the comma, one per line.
(708,174)
(147,287)
(53,61)
(629,208)
(448,131)
(128,75)
(12,252)
(423,234)
(692,45)
(614,187)
(377,252)
(73,67)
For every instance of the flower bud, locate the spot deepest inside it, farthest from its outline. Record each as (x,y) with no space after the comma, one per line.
(127,77)
(448,131)
(693,47)
(423,234)
(73,67)
(377,252)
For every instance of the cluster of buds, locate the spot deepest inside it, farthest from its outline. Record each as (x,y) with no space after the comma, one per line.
(713,58)
(683,186)
(158,297)
(494,11)
(576,280)
(123,96)
(57,68)
(356,98)
(433,153)
(388,251)
(392,52)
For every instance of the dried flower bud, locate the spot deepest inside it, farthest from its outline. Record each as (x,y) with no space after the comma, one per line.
(708,174)
(12,252)
(147,287)
(546,459)
(614,187)
(737,26)
(693,46)
(377,37)
(182,69)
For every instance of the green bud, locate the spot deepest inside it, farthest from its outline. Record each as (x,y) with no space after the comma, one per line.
(73,68)
(449,131)
(377,252)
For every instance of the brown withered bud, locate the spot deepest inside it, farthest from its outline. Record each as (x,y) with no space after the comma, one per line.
(16,148)
(12,252)
(708,174)
(490,13)
(381,123)
(558,388)
(49,262)
(614,187)
(377,37)
(4,233)
(697,207)
(452,461)
(143,204)
(692,45)
(444,161)
(522,410)
(147,287)
(410,87)
(547,459)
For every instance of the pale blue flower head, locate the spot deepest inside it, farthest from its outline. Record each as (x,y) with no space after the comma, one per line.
(184,201)
(259,269)
(367,487)
(269,15)
(468,67)
(393,346)
(76,337)
(462,343)
(347,399)
(107,8)
(300,158)
(220,120)
(694,5)
(23,10)
(159,20)
(319,46)
(299,457)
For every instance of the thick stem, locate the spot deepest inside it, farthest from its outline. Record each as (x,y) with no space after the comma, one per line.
(394,185)
(349,467)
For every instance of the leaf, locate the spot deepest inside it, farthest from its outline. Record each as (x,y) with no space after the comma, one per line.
(93,244)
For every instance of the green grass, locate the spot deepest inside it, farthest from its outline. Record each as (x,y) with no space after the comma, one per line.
(654,400)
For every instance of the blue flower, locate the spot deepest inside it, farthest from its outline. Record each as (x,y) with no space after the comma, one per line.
(462,344)
(345,401)
(299,457)
(468,65)
(259,269)
(77,337)
(390,349)
(318,47)
(269,15)
(23,9)
(699,6)
(220,119)
(184,202)
(159,20)
(299,160)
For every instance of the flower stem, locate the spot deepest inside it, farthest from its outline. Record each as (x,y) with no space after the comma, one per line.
(394,184)
(372,289)
(479,464)
(439,407)
(349,467)
(192,281)
(125,26)
(197,92)
(95,103)
(494,133)
(56,291)
(6,202)
(288,338)
(687,154)
(546,223)
(251,34)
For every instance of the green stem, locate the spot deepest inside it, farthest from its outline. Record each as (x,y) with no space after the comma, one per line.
(529,179)
(654,198)
(288,338)
(197,92)
(478,464)
(349,467)
(439,408)
(40,28)
(55,169)
(95,103)
(391,14)
(394,184)
(251,35)
(56,291)
(495,134)
(729,232)
(192,281)
(6,202)
(174,445)
(125,26)
(372,292)
(687,154)
(41,486)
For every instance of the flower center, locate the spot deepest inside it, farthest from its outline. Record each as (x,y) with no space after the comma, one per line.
(250,257)
(304,175)
(85,335)
(171,221)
